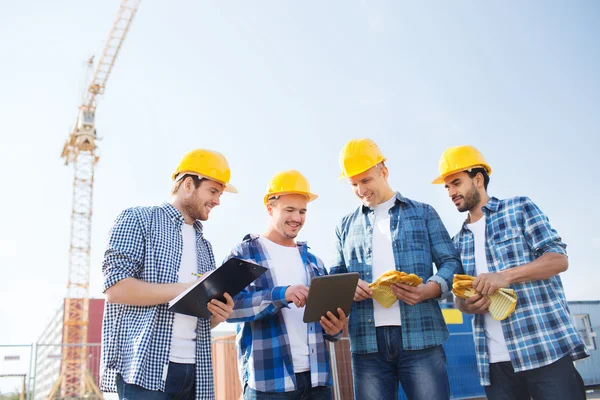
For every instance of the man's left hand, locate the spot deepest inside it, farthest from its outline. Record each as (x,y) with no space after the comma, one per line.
(490,282)
(333,325)
(220,311)
(412,295)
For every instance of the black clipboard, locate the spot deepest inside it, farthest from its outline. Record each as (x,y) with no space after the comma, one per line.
(231,277)
(327,293)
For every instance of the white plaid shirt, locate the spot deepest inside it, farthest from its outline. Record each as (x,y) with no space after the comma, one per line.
(540,331)
(146,243)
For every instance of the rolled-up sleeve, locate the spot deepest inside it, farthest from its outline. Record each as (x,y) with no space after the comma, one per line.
(338,265)
(124,253)
(443,252)
(538,232)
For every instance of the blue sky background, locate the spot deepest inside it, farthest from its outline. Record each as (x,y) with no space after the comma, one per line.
(279,85)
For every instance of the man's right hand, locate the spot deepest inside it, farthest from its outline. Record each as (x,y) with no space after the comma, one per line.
(476,304)
(297,294)
(363,291)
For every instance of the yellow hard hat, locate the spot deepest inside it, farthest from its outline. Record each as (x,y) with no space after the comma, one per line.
(206,164)
(460,158)
(289,182)
(358,155)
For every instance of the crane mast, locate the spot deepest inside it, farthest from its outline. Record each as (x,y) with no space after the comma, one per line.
(80,152)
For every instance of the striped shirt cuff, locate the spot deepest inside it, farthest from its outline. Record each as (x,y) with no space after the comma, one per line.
(278,296)
(443,286)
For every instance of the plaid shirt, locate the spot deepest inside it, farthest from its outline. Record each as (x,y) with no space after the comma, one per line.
(540,330)
(264,353)
(146,243)
(419,239)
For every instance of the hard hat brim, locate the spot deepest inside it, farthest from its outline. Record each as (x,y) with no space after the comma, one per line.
(309,196)
(344,176)
(438,180)
(228,187)
(442,178)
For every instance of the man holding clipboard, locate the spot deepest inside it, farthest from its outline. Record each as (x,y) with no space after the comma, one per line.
(148,352)
(281,356)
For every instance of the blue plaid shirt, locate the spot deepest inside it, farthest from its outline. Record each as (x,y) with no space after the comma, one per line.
(540,330)
(419,239)
(264,353)
(146,243)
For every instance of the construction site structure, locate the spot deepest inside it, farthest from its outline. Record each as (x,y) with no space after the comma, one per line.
(80,151)
(48,351)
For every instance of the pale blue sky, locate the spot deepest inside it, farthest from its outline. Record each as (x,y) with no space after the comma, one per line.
(279,85)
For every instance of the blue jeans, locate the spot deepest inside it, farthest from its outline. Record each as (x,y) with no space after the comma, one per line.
(304,391)
(422,373)
(557,381)
(180,385)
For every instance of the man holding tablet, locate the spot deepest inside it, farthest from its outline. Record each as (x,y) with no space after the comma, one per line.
(281,356)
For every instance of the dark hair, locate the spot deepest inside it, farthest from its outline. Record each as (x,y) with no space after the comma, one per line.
(197,182)
(486,178)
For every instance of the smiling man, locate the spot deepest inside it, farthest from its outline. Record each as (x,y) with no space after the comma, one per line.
(510,243)
(147,351)
(402,343)
(281,356)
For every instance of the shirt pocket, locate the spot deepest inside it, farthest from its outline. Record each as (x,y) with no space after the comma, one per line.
(414,234)
(162,260)
(415,254)
(507,246)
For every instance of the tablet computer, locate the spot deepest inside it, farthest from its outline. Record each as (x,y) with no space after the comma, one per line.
(327,293)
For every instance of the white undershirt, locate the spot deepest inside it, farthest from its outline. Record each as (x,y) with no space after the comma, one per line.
(496,344)
(383,261)
(183,341)
(288,269)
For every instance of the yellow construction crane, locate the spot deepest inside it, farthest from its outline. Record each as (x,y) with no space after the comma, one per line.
(80,151)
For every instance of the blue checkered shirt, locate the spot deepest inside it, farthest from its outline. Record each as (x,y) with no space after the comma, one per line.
(419,239)
(540,331)
(264,353)
(146,243)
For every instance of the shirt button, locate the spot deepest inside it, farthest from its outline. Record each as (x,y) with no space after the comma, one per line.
(368,320)
(368,273)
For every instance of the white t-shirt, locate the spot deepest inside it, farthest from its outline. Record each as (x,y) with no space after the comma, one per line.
(288,269)
(383,261)
(183,341)
(494,337)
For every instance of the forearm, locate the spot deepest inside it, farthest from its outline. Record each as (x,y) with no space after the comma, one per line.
(545,267)
(135,292)
(444,254)
(460,304)
(254,306)
(432,290)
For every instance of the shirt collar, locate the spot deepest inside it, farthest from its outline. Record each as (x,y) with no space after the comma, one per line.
(253,236)
(490,207)
(176,216)
(399,199)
